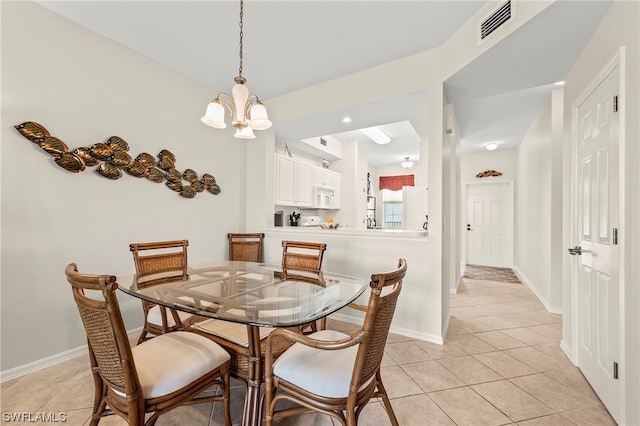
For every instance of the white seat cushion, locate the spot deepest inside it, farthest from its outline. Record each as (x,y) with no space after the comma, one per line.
(171,361)
(231,331)
(155,317)
(322,372)
(281,305)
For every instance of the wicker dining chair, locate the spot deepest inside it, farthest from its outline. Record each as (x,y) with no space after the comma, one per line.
(245,247)
(248,248)
(154,377)
(331,372)
(156,263)
(302,261)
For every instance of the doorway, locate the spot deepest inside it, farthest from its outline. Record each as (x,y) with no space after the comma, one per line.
(489,229)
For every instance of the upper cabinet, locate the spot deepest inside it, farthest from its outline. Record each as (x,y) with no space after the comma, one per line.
(293,182)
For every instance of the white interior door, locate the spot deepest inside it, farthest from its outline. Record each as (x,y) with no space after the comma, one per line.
(596,271)
(490,224)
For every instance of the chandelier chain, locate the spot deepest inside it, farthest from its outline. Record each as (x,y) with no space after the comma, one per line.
(247,112)
(241,35)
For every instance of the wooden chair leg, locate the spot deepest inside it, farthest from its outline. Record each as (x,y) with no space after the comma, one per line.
(227,397)
(382,393)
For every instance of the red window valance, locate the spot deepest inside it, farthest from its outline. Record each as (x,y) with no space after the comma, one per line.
(395,183)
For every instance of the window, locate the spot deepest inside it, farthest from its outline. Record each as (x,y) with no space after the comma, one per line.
(392,215)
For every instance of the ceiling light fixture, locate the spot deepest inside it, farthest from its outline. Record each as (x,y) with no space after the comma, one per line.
(346,120)
(407,164)
(248,112)
(491,146)
(376,135)
(559,83)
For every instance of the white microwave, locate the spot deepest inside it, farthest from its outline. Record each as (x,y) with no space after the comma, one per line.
(323,197)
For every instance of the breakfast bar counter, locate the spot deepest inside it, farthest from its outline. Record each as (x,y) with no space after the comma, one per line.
(347,231)
(362,252)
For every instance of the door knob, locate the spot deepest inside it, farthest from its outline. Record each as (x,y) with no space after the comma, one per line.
(577,250)
(468,227)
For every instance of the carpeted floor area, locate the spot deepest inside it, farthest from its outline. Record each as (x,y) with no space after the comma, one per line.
(490,273)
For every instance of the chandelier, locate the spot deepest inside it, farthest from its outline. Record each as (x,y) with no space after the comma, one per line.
(407,164)
(247,111)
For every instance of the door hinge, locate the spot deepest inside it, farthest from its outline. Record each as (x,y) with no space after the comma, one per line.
(615,236)
(615,103)
(615,370)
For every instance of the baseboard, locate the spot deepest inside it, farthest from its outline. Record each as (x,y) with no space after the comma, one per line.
(455,290)
(446,326)
(410,333)
(568,352)
(535,291)
(21,370)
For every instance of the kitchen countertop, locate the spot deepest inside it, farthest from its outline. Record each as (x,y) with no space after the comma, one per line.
(346,231)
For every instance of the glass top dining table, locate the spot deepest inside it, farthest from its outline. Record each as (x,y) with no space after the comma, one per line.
(250,293)
(253,294)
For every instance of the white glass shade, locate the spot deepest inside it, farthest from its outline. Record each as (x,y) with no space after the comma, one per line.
(407,164)
(259,119)
(214,116)
(248,112)
(246,133)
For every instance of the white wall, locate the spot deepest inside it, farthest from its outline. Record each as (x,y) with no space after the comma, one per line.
(498,160)
(533,205)
(620,27)
(450,191)
(84,88)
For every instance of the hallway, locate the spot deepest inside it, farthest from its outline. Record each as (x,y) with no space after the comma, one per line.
(501,365)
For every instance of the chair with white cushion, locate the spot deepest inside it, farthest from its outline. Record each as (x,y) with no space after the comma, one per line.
(154,377)
(156,263)
(331,372)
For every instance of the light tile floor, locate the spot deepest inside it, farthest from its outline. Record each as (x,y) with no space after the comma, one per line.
(501,364)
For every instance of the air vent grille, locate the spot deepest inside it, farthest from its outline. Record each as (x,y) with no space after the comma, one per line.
(495,20)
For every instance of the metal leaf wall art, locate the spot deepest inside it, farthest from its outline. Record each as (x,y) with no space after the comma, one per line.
(112,158)
(488,173)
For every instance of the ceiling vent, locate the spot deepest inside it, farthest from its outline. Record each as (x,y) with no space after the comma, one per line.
(494,21)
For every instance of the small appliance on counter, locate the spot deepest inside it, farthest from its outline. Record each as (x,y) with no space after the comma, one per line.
(311,220)
(278,218)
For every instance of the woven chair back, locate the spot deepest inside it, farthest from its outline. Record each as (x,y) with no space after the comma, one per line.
(385,289)
(245,247)
(109,347)
(161,261)
(301,258)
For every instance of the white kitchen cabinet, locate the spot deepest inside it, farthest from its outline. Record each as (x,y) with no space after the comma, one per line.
(293,182)
(328,178)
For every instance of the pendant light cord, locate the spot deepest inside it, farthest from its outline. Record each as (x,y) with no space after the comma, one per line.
(241,35)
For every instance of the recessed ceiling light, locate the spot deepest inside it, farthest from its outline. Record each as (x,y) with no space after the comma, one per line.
(559,83)
(346,120)
(491,146)
(377,135)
